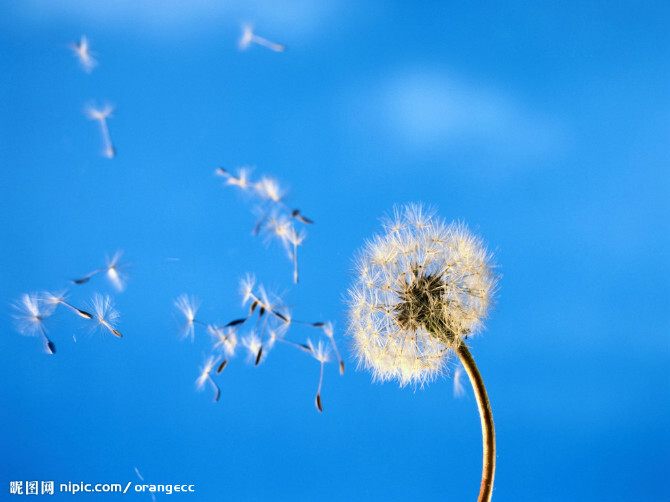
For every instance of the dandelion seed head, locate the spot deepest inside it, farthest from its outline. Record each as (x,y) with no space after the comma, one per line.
(421,288)
(205,370)
(187,307)
(31,311)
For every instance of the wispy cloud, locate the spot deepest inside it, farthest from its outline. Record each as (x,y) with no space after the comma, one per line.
(428,110)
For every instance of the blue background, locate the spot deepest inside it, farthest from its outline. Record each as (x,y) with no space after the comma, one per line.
(544,127)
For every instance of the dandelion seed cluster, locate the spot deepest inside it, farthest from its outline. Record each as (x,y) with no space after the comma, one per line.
(272,322)
(421,288)
(276,220)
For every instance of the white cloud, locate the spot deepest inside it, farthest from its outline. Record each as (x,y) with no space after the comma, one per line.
(427,110)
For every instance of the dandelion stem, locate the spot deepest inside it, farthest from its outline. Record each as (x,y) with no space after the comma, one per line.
(486,415)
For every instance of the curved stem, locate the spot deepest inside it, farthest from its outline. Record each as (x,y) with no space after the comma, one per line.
(488,430)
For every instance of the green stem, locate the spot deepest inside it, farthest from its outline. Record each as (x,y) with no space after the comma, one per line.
(488,430)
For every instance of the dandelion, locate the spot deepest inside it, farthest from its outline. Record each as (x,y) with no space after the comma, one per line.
(83,53)
(320,353)
(205,376)
(248,37)
(114,270)
(32,310)
(188,307)
(60,298)
(105,314)
(101,115)
(422,288)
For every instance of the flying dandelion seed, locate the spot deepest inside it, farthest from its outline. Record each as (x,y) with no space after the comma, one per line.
(60,298)
(188,308)
(101,115)
(320,353)
(83,53)
(422,288)
(459,390)
(265,309)
(247,288)
(241,180)
(31,311)
(267,189)
(275,218)
(104,314)
(274,309)
(277,336)
(225,341)
(282,228)
(249,37)
(329,332)
(115,271)
(205,376)
(253,344)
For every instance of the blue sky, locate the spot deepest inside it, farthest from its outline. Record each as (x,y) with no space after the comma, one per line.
(544,127)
